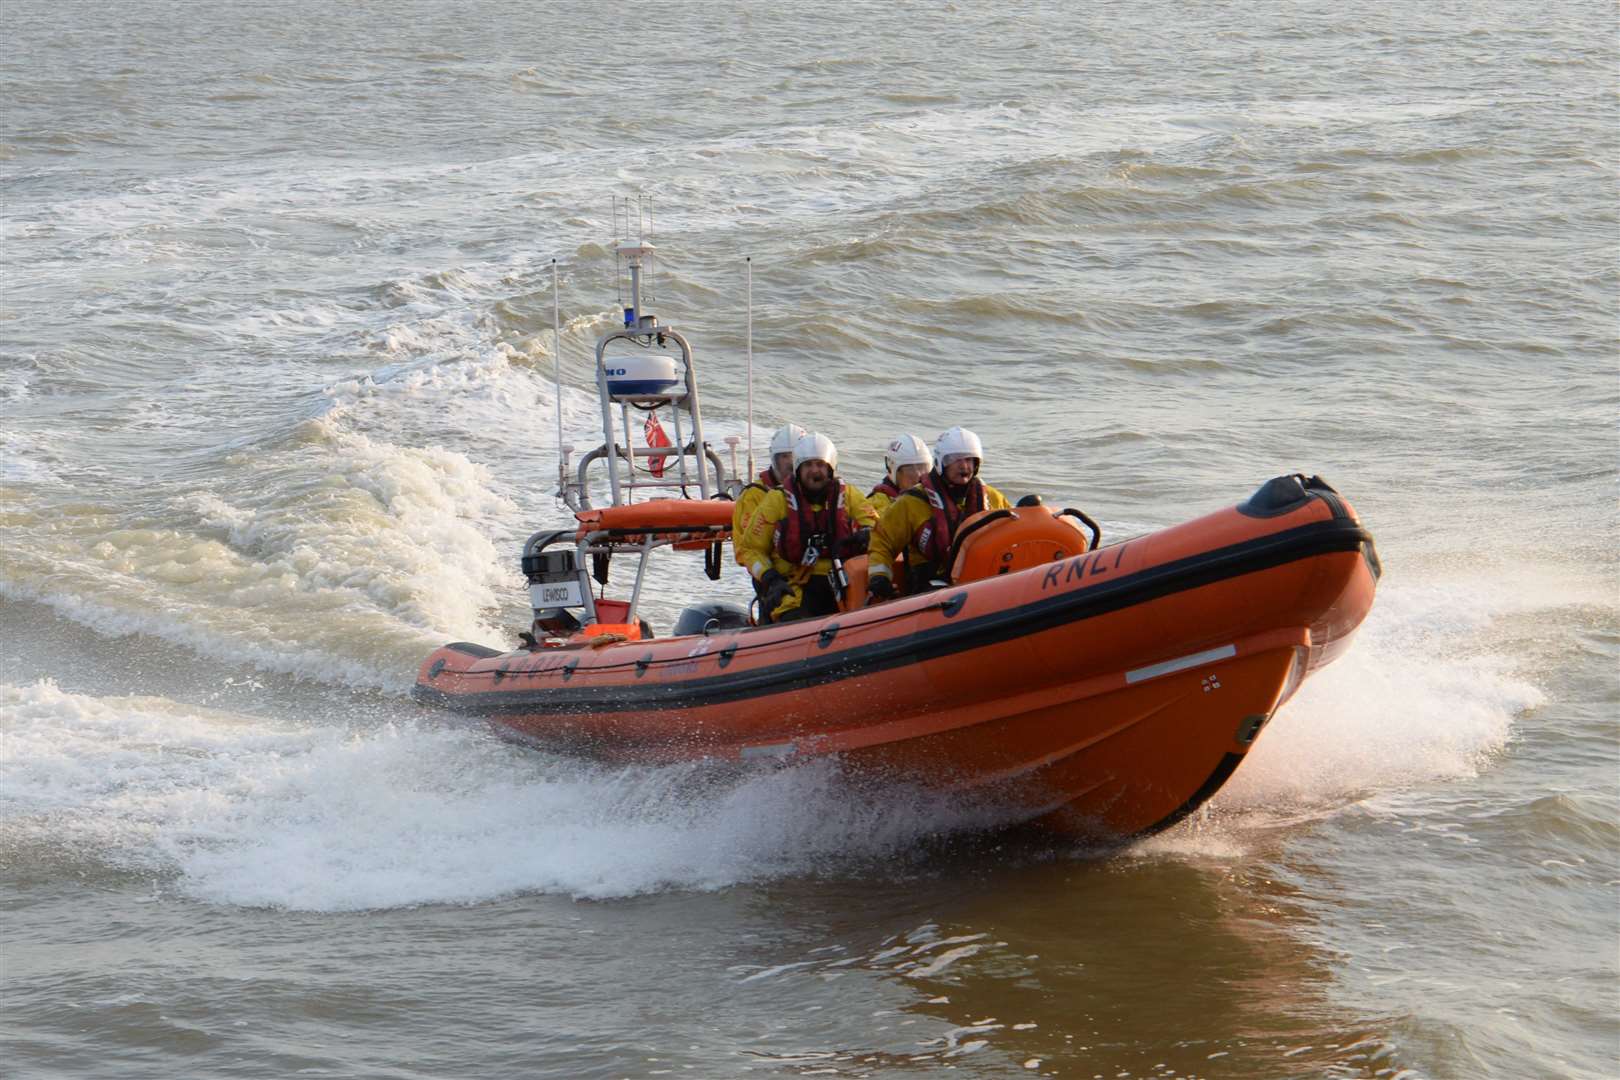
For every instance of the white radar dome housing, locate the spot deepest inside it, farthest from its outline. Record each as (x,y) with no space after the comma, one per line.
(633,378)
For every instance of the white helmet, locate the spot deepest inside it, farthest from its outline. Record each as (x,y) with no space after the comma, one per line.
(907,450)
(957,442)
(786,438)
(815,447)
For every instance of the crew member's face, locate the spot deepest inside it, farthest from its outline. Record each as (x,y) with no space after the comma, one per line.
(782,465)
(815,476)
(959,470)
(909,476)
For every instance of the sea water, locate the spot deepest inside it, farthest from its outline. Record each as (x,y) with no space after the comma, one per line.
(278,412)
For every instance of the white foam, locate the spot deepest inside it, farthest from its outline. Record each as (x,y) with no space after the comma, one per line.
(803,171)
(16,378)
(1418,698)
(318,317)
(444,379)
(236,810)
(517,825)
(341,558)
(20,461)
(349,551)
(20,453)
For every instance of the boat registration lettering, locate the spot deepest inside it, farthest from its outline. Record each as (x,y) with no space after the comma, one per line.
(1081,567)
(555,594)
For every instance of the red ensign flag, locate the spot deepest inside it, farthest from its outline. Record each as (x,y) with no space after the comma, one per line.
(655,438)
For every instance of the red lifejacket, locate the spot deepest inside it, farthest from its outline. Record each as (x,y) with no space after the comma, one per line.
(831,523)
(934,541)
(885,487)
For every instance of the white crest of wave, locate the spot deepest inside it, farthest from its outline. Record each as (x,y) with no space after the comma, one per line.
(238,811)
(443,380)
(16,377)
(340,557)
(22,461)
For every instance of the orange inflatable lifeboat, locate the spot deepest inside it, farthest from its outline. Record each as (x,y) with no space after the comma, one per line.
(1105,691)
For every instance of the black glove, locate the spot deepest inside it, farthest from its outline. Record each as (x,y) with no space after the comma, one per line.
(879,587)
(773,587)
(854,544)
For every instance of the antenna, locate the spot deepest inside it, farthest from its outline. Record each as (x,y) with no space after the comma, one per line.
(556,364)
(750,261)
(618,260)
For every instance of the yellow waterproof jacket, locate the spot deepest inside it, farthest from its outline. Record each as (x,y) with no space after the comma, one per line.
(897,531)
(757,548)
(742,515)
(879,499)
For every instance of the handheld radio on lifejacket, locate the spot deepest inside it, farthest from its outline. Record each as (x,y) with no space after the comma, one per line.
(850,546)
(838,579)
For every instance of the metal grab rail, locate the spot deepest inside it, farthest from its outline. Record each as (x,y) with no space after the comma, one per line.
(582,488)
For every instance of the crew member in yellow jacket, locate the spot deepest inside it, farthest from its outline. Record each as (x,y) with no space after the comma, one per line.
(801,533)
(922,522)
(770,478)
(907,460)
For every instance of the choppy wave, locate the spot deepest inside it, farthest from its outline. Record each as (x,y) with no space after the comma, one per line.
(24,461)
(336,557)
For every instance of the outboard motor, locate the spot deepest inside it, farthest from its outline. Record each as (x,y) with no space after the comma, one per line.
(554,587)
(710,619)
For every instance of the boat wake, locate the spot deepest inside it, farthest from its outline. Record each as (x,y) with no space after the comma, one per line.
(227,808)
(380,812)
(1415,700)
(1418,700)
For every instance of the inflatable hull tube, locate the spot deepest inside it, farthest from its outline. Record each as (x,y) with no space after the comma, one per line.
(1107,693)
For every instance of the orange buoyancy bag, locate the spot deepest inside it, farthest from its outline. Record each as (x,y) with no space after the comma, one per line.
(1007,541)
